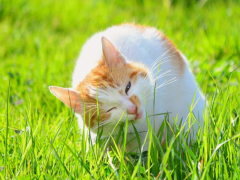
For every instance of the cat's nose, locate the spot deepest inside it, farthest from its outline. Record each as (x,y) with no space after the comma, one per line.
(132,110)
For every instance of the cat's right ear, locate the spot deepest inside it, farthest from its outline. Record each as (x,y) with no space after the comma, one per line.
(68,96)
(112,56)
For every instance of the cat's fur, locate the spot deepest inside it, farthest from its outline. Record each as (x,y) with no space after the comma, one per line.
(128,52)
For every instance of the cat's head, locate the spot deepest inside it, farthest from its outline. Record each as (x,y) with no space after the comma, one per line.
(112,89)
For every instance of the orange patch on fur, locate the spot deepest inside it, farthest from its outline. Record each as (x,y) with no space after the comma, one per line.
(135,100)
(102,77)
(121,91)
(138,70)
(91,114)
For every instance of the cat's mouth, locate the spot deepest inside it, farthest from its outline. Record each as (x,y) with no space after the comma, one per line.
(139,115)
(135,117)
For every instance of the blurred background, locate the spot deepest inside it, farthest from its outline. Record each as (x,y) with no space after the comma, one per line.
(41,40)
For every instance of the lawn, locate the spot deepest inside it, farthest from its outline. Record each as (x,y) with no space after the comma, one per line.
(39,44)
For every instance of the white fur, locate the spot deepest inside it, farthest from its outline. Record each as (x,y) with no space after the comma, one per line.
(175,93)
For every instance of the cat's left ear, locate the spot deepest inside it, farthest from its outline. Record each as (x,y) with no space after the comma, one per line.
(68,96)
(112,56)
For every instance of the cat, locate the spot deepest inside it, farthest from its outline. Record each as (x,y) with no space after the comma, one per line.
(122,70)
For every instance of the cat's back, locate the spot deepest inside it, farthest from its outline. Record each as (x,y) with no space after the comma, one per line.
(137,43)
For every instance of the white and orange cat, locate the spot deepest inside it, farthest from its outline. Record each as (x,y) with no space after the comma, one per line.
(119,67)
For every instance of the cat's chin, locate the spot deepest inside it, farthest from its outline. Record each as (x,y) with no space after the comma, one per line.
(137,118)
(139,115)
(137,121)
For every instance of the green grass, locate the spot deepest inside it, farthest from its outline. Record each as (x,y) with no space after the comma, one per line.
(39,43)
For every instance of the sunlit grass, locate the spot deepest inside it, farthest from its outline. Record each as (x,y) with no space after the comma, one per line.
(39,136)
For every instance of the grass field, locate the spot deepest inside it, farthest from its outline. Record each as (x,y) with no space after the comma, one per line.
(39,44)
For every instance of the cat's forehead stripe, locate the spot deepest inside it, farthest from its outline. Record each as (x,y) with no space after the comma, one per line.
(138,72)
(120,91)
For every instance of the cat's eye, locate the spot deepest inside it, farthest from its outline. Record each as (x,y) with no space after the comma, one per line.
(111,109)
(128,87)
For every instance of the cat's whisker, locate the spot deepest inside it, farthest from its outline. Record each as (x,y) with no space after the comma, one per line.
(165,75)
(91,105)
(167,82)
(100,124)
(145,85)
(162,55)
(159,57)
(86,104)
(86,112)
(97,90)
(166,72)
(91,108)
(92,114)
(161,62)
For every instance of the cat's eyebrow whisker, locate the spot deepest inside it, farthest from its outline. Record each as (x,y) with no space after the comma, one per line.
(162,55)
(167,82)
(165,75)
(161,62)
(154,79)
(162,74)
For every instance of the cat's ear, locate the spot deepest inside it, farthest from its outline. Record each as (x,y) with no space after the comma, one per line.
(68,96)
(111,55)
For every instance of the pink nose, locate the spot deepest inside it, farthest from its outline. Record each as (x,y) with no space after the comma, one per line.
(132,110)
